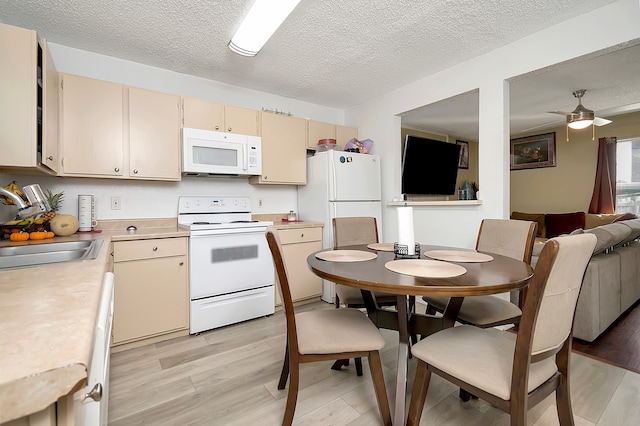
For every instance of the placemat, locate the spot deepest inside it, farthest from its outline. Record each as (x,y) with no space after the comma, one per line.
(425,268)
(458,256)
(346,255)
(381,246)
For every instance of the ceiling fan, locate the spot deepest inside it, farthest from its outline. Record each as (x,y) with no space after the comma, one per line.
(581,117)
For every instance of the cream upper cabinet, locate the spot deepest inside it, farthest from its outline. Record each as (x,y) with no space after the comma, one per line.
(344,134)
(317,130)
(92,127)
(111,130)
(207,115)
(28,102)
(154,135)
(283,150)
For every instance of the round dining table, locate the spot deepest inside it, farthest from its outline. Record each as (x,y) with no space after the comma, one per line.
(499,274)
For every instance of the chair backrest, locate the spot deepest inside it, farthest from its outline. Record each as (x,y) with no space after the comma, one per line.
(550,305)
(349,231)
(512,238)
(284,288)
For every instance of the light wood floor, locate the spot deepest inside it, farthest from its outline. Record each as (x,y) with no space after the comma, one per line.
(229,376)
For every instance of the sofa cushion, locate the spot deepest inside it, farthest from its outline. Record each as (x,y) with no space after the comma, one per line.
(625,216)
(634,225)
(563,223)
(533,217)
(592,220)
(609,236)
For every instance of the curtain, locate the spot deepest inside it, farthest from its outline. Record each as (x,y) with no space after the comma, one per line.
(603,199)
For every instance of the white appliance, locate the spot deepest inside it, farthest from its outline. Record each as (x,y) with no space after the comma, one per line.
(91,403)
(339,184)
(207,153)
(231,273)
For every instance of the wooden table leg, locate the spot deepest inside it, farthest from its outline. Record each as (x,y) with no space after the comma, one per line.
(403,357)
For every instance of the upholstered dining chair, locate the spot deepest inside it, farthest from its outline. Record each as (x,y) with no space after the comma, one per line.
(512,238)
(324,335)
(515,371)
(349,231)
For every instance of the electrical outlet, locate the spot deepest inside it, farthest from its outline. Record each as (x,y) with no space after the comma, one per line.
(260,203)
(115,203)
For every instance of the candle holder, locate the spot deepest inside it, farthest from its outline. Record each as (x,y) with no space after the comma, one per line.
(402,251)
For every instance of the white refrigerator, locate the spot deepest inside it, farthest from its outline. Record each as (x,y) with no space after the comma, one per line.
(339,184)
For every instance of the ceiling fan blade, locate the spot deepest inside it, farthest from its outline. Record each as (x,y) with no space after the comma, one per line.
(601,121)
(561,112)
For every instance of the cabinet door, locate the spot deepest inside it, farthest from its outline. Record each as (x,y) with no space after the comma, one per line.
(317,130)
(50,118)
(284,150)
(151,298)
(92,115)
(345,134)
(201,114)
(304,283)
(154,135)
(241,120)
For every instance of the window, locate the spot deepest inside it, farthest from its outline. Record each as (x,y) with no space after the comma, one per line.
(628,176)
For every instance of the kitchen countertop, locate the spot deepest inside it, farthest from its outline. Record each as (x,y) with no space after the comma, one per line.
(48,316)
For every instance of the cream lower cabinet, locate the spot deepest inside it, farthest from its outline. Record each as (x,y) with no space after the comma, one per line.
(297,244)
(151,289)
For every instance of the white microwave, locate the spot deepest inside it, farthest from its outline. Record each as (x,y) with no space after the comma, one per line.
(206,153)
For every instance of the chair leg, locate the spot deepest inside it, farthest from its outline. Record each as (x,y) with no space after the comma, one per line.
(285,369)
(339,363)
(375,366)
(292,395)
(419,393)
(465,396)
(358,366)
(563,392)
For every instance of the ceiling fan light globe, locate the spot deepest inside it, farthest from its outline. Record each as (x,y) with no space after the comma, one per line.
(579,124)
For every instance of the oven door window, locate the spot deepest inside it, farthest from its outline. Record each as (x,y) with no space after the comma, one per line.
(227,263)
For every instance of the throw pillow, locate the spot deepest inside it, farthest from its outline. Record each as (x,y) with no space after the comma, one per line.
(626,216)
(563,223)
(533,217)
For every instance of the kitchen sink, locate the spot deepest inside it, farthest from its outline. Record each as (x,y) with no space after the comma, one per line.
(48,252)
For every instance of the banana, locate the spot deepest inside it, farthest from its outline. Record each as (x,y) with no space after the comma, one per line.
(13,222)
(13,187)
(26,222)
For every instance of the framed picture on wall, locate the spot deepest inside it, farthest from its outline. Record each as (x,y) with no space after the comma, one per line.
(533,152)
(463,161)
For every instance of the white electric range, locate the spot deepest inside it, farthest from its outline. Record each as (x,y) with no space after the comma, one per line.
(231,275)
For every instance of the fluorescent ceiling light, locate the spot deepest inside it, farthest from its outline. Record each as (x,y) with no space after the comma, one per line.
(261,22)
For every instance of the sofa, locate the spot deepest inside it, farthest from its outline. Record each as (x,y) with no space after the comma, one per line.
(611,284)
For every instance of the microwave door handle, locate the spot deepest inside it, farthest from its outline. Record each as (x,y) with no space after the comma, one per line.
(245,156)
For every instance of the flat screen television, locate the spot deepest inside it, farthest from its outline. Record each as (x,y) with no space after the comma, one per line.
(429,167)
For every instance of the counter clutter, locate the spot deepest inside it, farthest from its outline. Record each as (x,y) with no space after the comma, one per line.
(47,321)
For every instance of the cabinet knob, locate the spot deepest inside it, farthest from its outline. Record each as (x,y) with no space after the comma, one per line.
(229,129)
(302,235)
(217,127)
(117,169)
(135,171)
(96,393)
(155,248)
(50,158)
(181,263)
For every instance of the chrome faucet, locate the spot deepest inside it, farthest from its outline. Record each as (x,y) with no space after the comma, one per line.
(37,203)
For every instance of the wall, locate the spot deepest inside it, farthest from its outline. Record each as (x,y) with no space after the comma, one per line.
(470,174)
(145,199)
(379,119)
(568,186)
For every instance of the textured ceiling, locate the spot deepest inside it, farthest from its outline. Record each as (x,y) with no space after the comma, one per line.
(337,53)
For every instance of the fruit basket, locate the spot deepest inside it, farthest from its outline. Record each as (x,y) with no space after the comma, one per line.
(34,228)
